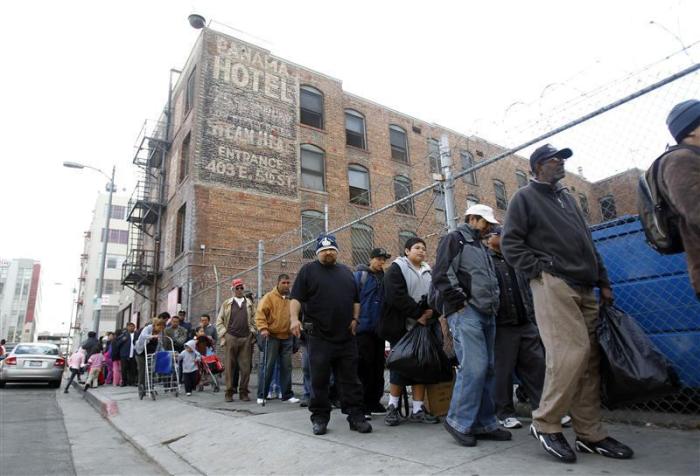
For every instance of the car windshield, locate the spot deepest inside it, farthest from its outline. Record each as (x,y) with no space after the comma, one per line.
(36,349)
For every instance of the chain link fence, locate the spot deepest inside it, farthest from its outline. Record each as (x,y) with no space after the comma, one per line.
(615,129)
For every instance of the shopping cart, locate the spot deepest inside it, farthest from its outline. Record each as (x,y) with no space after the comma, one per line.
(161,369)
(209,369)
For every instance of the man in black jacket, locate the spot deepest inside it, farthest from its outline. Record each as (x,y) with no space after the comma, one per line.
(518,347)
(465,280)
(331,315)
(546,238)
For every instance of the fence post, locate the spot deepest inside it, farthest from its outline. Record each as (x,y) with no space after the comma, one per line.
(325,218)
(448,182)
(261,258)
(218,288)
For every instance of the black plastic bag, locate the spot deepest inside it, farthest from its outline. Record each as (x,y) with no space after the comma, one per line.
(631,368)
(419,357)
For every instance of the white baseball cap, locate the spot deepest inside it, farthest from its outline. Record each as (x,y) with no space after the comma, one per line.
(483,211)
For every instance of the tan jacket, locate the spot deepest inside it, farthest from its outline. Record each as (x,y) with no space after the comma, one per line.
(225,314)
(273,314)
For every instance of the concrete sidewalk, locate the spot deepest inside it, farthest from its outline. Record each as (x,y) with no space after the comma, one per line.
(202,434)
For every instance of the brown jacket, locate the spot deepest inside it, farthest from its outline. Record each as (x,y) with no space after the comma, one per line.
(225,314)
(680,186)
(273,314)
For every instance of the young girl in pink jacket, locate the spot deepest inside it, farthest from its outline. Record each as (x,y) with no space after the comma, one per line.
(95,362)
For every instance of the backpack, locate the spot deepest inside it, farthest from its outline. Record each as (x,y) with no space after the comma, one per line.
(659,222)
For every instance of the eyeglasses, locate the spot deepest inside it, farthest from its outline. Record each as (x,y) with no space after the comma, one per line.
(554,159)
(239,287)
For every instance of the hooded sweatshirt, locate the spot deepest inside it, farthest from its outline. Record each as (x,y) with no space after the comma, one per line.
(273,314)
(370,288)
(189,359)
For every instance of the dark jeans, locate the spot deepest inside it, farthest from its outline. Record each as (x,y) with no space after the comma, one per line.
(73,373)
(518,349)
(341,359)
(272,348)
(129,372)
(190,380)
(371,368)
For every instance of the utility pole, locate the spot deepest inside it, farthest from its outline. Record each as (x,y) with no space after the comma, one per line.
(448,182)
(103,260)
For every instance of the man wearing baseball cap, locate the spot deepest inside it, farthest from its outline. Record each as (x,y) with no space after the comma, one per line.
(546,238)
(467,288)
(235,324)
(369,279)
(679,181)
(331,302)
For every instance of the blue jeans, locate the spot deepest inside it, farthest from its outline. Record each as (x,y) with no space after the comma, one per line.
(472,409)
(274,348)
(306,370)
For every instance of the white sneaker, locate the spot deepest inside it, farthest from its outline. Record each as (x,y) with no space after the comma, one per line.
(566,421)
(259,401)
(189,394)
(292,400)
(511,423)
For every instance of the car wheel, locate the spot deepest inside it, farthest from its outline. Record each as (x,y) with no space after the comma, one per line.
(55,384)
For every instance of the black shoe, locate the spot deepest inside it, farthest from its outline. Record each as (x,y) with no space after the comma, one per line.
(361,426)
(609,447)
(335,403)
(496,435)
(319,428)
(555,444)
(304,402)
(377,409)
(422,416)
(65,391)
(464,439)
(392,417)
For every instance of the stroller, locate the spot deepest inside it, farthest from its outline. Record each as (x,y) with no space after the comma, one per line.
(210,366)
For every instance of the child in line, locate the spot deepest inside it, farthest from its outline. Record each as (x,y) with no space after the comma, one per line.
(76,362)
(189,358)
(95,362)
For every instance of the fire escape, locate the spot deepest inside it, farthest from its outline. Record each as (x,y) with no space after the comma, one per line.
(145,208)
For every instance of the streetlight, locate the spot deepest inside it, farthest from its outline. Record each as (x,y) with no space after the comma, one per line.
(105,238)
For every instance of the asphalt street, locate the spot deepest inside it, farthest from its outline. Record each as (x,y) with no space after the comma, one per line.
(33,438)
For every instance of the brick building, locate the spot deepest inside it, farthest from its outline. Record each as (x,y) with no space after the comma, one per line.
(252,147)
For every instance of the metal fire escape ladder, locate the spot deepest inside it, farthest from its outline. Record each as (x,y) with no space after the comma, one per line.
(145,207)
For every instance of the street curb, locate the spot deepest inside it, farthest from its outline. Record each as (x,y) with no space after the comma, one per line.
(107,407)
(110,408)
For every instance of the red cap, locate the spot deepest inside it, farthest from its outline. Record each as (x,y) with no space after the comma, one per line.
(237,282)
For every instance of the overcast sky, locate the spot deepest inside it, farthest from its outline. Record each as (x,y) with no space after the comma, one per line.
(80,77)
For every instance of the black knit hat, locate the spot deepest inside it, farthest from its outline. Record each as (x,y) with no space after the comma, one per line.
(683,118)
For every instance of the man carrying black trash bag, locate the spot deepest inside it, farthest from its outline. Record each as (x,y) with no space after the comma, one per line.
(331,313)
(546,238)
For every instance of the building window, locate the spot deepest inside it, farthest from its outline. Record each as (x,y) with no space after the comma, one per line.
(583,200)
(311,107)
(120,237)
(499,189)
(362,238)
(607,207)
(399,144)
(355,129)
(439,204)
(184,158)
(312,225)
(312,167)
(118,212)
(521,178)
(189,93)
(112,286)
(402,188)
(358,178)
(404,236)
(112,262)
(434,156)
(180,230)
(467,160)
(472,200)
